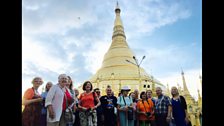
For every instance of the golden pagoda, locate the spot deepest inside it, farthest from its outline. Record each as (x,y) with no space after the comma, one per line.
(116,71)
(193,107)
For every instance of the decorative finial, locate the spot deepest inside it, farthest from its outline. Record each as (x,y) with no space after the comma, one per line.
(182,72)
(117,10)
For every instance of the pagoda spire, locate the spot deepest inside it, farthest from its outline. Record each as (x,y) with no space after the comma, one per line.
(116,62)
(118,37)
(199,96)
(179,89)
(186,91)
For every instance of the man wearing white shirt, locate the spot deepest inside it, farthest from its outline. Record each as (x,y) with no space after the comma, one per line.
(54,101)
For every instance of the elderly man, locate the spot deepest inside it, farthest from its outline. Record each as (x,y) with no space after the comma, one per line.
(136,94)
(54,101)
(109,103)
(163,108)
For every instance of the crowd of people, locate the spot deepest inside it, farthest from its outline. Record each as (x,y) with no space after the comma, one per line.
(61,105)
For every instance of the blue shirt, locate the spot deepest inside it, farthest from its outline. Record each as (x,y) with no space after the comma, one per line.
(44,109)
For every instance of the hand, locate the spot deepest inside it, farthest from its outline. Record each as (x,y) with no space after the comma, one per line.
(168,119)
(39,99)
(126,108)
(93,107)
(186,120)
(84,109)
(51,112)
(144,113)
(131,107)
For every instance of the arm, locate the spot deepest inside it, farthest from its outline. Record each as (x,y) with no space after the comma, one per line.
(168,102)
(48,101)
(183,101)
(98,103)
(27,98)
(139,112)
(27,102)
(169,111)
(119,107)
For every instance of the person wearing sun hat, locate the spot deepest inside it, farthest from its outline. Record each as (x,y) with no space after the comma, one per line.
(125,104)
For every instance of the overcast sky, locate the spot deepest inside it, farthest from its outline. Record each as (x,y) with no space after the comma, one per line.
(72,36)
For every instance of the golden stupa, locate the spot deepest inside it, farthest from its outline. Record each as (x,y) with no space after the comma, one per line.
(194,107)
(116,71)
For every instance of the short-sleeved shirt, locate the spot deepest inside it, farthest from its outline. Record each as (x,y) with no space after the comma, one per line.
(108,103)
(128,100)
(145,106)
(161,105)
(87,100)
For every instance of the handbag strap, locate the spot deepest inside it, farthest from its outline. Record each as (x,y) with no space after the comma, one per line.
(144,104)
(124,101)
(159,102)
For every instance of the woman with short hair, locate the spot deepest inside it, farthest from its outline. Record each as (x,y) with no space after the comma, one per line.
(145,110)
(33,104)
(87,113)
(179,108)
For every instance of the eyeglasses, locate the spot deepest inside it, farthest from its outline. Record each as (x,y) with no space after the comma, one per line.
(97,91)
(37,81)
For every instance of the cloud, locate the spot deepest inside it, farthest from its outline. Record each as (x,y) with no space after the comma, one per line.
(72,36)
(146,16)
(55,16)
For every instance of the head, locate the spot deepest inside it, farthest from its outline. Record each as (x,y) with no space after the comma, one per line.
(143,95)
(132,95)
(70,82)
(119,94)
(87,86)
(62,80)
(149,93)
(158,91)
(174,91)
(48,86)
(97,90)
(109,91)
(125,90)
(112,93)
(136,93)
(76,92)
(37,81)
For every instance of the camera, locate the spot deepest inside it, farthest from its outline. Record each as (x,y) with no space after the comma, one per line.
(148,113)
